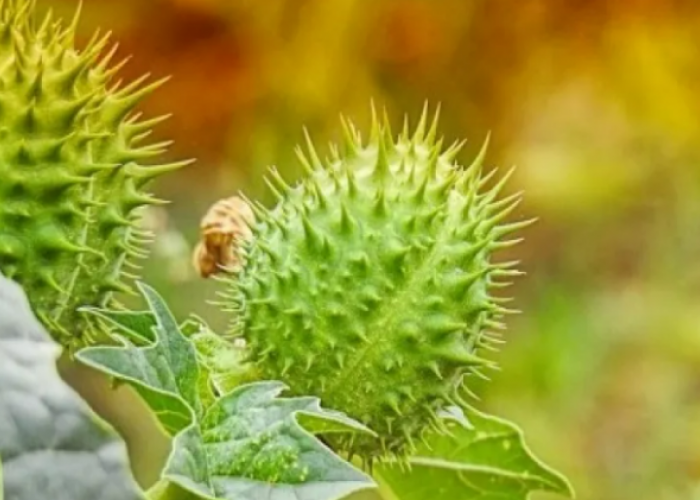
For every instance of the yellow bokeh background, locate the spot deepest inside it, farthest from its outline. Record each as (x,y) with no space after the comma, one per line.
(596,102)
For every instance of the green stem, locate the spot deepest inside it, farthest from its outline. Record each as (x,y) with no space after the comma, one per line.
(165,490)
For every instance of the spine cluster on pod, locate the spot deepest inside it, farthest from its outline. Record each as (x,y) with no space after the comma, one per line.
(371,282)
(73,170)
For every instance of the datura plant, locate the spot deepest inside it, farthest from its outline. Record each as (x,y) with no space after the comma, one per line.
(72,173)
(371,283)
(362,304)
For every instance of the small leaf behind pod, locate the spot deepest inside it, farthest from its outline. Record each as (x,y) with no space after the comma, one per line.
(164,372)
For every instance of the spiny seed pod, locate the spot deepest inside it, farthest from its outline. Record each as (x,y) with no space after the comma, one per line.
(72,178)
(370,283)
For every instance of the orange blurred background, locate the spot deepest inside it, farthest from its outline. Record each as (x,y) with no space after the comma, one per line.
(596,102)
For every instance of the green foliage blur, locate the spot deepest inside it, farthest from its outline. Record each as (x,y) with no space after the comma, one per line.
(597,104)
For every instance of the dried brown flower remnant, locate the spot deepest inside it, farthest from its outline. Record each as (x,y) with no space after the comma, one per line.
(223,228)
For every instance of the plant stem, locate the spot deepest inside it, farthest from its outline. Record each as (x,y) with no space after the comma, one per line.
(165,490)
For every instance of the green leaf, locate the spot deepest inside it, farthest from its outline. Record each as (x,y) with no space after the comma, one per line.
(243,444)
(481,458)
(51,443)
(250,445)
(165,372)
(137,326)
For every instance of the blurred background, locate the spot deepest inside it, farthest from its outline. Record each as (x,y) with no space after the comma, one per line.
(598,105)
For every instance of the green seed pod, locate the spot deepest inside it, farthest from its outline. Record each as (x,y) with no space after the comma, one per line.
(370,283)
(72,177)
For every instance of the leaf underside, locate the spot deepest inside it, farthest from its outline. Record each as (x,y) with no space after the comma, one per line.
(51,444)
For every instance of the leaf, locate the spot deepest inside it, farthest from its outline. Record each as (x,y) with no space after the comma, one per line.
(243,445)
(51,443)
(250,445)
(165,372)
(484,458)
(136,326)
